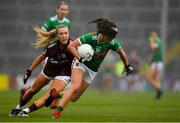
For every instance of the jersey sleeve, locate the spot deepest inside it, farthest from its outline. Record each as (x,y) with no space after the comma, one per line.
(47,25)
(49,49)
(45,51)
(86,39)
(115,45)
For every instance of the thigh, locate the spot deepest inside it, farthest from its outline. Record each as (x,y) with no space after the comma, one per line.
(40,82)
(59,85)
(76,77)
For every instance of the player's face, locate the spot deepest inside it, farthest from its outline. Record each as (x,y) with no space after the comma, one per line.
(63,35)
(62,10)
(154,35)
(105,39)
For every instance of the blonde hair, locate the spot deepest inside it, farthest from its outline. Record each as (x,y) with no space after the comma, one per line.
(43,37)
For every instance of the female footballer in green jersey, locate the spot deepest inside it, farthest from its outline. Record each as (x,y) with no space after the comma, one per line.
(84,72)
(59,19)
(155,72)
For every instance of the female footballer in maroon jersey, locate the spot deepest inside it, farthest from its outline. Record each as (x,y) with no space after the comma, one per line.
(57,67)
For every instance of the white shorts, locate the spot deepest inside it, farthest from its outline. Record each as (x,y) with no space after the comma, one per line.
(157,66)
(89,75)
(65,79)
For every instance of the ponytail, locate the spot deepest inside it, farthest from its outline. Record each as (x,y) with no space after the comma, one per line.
(43,37)
(106,27)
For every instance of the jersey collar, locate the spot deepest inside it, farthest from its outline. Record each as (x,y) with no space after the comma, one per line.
(98,36)
(61,21)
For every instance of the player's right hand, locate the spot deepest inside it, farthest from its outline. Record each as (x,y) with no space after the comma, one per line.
(27,75)
(87,58)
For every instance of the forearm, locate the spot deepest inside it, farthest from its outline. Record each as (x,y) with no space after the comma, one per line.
(74,52)
(37,61)
(73,48)
(123,56)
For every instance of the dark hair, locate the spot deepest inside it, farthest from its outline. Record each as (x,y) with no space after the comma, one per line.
(62,3)
(106,27)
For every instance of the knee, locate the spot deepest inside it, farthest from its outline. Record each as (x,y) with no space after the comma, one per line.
(74,98)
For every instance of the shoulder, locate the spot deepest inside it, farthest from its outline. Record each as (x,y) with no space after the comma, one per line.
(91,35)
(115,42)
(53,18)
(52,45)
(67,20)
(50,48)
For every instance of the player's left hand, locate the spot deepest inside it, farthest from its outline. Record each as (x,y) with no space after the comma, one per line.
(129,69)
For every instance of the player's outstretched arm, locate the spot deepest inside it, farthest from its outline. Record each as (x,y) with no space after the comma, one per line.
(123,56)
(37,61)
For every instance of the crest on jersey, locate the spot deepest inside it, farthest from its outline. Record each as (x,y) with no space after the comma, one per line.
(61,56)
(95,37)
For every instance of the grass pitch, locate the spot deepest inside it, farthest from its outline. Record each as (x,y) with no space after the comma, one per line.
(94,106)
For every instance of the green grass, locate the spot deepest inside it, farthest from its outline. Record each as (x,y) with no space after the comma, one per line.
(93,106)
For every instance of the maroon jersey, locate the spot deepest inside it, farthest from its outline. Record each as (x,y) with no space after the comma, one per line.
(59,60)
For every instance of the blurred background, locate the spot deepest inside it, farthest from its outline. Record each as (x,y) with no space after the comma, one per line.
(135,20)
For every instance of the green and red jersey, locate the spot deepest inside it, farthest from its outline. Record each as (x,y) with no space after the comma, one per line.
(100,49)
